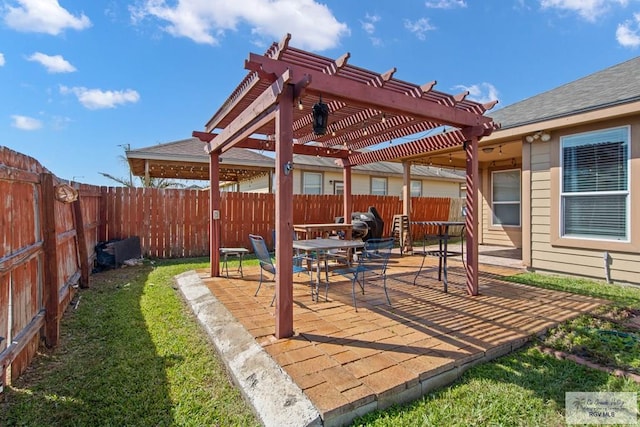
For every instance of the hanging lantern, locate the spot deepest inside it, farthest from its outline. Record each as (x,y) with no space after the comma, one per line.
(320,113)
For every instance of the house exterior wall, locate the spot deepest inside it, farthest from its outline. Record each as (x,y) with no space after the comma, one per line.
(361,184)
(551,252)
(256,185)
(435,188)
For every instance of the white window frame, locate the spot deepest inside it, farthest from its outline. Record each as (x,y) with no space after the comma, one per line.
(506,202)
(338,188)
(381,180)
(564,195)
(306,186)
(419,184)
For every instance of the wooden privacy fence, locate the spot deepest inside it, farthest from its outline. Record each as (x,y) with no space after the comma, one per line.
(244,213)
(175,223)
(46,249)
(48,242)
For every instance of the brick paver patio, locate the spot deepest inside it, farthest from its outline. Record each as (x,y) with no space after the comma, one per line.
(348,363)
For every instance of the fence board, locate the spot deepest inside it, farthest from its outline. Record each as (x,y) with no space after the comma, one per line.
(4,311)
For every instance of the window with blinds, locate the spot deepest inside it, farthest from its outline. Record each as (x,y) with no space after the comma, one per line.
(416,188)
(379,186)
(595,185)
(505,197)
(311,183)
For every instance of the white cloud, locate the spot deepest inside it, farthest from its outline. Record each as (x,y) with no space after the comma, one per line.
(25,123)
(419,27)
(53,64)
(446,4)
(482,93)
(43,16)
(627,32)
(369,23)
(2,61)
(311,24)
(587,9)
(96,99)
(60,122)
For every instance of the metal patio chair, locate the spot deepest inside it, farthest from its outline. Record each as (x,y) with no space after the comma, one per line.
(300,264)
(373,261)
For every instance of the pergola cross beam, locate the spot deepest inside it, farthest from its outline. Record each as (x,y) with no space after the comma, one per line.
(367,96)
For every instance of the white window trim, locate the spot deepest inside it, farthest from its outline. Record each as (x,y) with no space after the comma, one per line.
(386,185)
(519,203)
(419,181)
(562,194)
(337,184)
(305,174)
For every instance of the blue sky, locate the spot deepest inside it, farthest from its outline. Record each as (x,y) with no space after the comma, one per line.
(79,80)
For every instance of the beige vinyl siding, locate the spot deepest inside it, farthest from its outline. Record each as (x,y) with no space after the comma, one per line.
(434,188)
(579,258)
(586,263)
(540,197)
(360,184)
(257,185)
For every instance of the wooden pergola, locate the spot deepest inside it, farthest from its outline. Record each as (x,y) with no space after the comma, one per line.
(271,109)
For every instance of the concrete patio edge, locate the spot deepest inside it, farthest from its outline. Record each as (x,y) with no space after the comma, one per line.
(275,397)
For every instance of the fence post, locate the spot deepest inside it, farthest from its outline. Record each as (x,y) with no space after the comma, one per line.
(102,220)
(81,241)
(50,291)
(3,378)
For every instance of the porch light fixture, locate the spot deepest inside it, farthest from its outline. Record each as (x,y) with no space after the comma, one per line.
(540,135)
(320,113)
(287,168)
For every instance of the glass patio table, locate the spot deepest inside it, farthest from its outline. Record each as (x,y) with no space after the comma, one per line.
(320,247)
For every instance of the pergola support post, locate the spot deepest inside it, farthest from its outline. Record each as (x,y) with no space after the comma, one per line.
(214,212)
(284,214)
(348,200)
(471,219)
(406,188)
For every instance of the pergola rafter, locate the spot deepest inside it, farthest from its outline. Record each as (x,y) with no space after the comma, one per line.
(366,110)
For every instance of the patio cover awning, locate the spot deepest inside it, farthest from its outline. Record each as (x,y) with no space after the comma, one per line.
(183,159)
(271,109)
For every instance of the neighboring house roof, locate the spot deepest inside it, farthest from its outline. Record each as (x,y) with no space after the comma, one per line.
(383,168)
(186,159)
(619,84)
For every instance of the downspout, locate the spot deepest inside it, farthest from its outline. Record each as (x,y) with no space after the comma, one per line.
(607,268)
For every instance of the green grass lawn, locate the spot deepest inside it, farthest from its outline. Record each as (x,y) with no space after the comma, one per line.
(132,354)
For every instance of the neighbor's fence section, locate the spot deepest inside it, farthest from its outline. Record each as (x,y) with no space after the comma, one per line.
(171,223)
(174,223)
(245,213)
